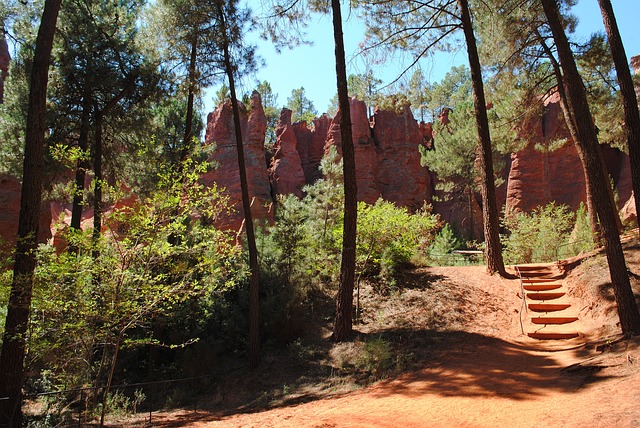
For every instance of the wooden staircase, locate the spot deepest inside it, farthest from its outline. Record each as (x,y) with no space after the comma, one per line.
(550,315)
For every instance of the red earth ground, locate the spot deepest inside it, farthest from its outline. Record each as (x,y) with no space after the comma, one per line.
(483,372)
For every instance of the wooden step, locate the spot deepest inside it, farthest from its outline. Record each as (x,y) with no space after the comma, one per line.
(544,296)
(548,307)
(539,274)
(542,287)
(552,335)
(537,267)
(553,320)
(540,280)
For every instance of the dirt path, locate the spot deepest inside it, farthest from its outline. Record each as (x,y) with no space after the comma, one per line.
(491,383)
(485,375)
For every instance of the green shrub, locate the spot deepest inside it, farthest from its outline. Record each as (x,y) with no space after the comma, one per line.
(151,286)
(375,357)
(389,236)
(546,234)
(440,251)
(581,239)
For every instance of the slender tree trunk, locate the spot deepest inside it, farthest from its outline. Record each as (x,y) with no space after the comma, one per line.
(571,125)
(629,99)
(495,262)
(471,219)
(83,162)
(107,388)
(610,190)
(19,306)
(188,124)
(97,176)
(254,284)
(588,143)
(342,324)
(97,158)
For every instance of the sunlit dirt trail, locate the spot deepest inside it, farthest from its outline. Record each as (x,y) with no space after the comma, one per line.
(489,375)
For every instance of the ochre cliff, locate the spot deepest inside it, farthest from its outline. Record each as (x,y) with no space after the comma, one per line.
(285,172)
(10,195)
(539,175)
(386,153)
(365,150)
(401,178)
(387,166)
(221,132)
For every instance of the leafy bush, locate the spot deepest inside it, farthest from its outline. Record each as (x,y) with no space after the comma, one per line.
(301,252)
(159,261)
(581,239)
(440,251)
(545,234)
(389,236)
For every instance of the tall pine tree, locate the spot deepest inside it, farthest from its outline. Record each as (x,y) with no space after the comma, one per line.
(19,307)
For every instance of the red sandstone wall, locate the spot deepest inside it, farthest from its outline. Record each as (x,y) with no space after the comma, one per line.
(221,132)
(538,177)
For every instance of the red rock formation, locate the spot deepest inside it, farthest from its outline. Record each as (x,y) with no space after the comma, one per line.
(538,177)
(628,214)
(285,173)
(10,202)
(401,178)
(386,152)
(635,63)
(426,130)
(388,163)
(5,59)
(443,116)
(10,189)
(220,131)
(310,145)
(366,156)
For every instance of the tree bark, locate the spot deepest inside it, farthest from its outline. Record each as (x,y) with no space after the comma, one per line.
(571,125)
(493,247)
(254,284)
(19,306)
(188,124)
(97,176)
(629,99)
(97,157)
(587,142)
(342,325)
(83,162)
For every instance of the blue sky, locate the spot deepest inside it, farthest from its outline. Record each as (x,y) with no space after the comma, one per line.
(313,67)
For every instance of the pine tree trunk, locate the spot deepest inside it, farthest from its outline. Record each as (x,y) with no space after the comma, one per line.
(19,306)
(495,262)
(570,122)
(254,284)
(587,142)
(629,99)
(188,123)
(97,177)
(342,325)
(97,159)
(83,163)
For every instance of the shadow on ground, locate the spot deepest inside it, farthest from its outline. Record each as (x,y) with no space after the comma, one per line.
(459,364)
(473,365)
